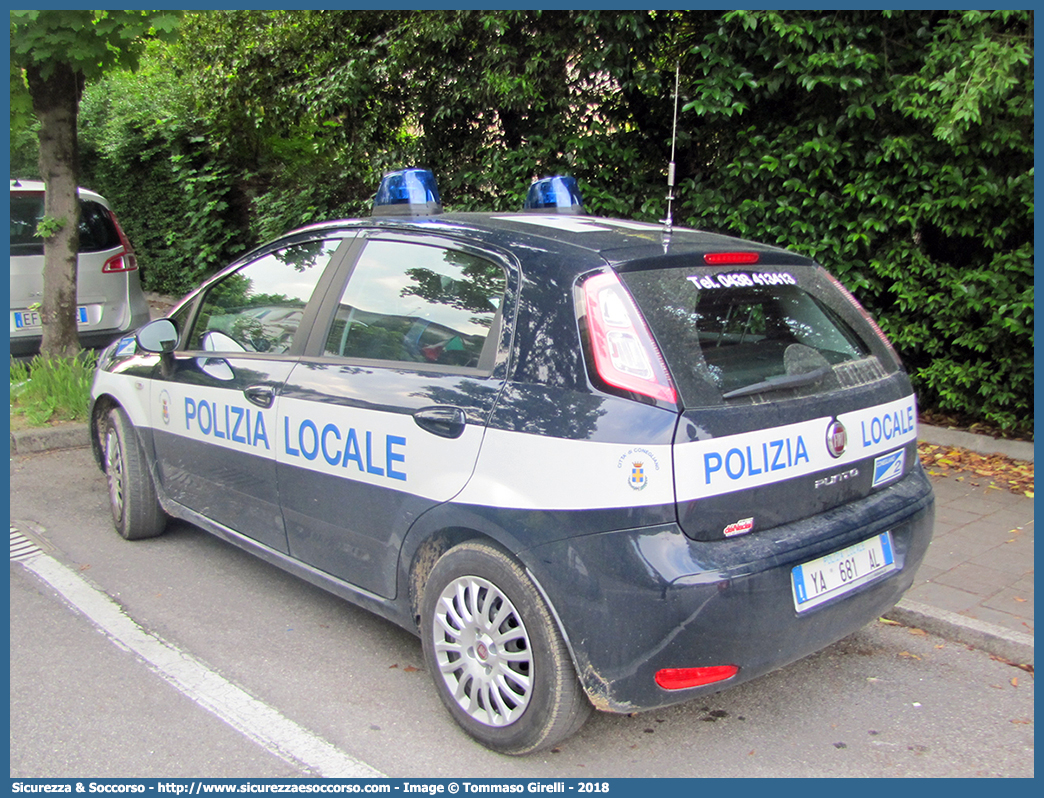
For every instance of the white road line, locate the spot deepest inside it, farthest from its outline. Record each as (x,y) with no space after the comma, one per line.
(253,718)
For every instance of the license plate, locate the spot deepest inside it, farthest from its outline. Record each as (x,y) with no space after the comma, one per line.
(26,319)
(836,574)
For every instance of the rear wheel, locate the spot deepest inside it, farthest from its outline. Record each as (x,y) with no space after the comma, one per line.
(499,663)
(136,512)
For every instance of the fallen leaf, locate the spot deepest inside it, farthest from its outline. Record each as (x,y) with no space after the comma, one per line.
(914,631)
(1014,681)
(396,665)
(908,655)
(1020,600)
(889,621)
(1013,475)
(410,669)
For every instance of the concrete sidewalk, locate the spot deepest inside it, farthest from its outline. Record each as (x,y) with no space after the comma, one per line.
(975,585)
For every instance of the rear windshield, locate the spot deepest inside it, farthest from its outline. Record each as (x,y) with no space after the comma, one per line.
(734,336)
(97,231)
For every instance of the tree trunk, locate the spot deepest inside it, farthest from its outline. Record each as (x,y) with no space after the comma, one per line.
(56,101)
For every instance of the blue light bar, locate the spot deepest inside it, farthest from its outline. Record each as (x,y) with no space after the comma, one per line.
(558,194)
(407,192)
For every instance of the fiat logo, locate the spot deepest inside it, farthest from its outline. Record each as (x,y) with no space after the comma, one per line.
(836,438)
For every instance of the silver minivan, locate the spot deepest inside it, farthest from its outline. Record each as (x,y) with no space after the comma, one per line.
(110,301)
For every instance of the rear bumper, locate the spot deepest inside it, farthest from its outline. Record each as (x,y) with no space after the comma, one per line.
(634,602)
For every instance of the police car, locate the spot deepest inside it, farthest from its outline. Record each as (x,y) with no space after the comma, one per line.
(591,462)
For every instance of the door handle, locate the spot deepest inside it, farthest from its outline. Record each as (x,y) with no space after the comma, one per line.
(260,395)
(446,422)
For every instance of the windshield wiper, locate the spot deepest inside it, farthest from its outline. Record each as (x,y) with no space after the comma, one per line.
(776,383)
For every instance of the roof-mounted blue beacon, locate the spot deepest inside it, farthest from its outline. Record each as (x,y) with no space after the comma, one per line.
(407,192)
(558,194)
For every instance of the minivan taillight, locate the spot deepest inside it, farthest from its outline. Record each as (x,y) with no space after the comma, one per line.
(126,261)
(625,354)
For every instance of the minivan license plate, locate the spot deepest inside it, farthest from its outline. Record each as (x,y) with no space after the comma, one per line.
(25,319)
(836,574)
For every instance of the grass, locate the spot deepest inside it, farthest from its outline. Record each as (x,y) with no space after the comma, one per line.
(48,391)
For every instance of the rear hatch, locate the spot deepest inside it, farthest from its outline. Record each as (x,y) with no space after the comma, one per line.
(793,401)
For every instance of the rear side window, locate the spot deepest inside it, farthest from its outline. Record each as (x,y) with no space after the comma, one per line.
(97,231)
(417,303)
(733,336)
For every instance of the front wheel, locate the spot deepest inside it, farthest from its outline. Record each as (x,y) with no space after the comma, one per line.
(498,660)
(136,512)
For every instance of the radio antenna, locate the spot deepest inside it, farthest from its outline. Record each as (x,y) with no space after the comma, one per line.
(668,222)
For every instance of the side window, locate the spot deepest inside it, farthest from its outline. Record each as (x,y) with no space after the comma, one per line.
(259,307)
(417,303)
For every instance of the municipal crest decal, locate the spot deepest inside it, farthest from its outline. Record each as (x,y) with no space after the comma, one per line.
(638,479)
(165,406)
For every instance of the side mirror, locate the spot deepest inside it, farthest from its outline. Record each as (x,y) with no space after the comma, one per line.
(159,337)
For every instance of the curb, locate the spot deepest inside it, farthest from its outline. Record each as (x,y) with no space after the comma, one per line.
(1015,647)
(46,439)
(981,444)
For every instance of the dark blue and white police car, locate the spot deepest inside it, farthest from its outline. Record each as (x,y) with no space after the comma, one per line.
(592,462)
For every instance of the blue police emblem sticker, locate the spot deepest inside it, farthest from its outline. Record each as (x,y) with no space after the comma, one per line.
(889,467)
(164,398)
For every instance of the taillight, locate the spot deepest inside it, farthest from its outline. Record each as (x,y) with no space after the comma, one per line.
(625,355)
(125,261)
(681,678)
(862,312)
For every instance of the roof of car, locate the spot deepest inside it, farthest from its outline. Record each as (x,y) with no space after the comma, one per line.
(617,241)
(30,186)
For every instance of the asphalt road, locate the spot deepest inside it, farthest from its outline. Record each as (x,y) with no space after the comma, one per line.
(887,701)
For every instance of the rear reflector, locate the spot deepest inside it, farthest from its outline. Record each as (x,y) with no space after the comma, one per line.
(625,355)
(730,258)
(681,678)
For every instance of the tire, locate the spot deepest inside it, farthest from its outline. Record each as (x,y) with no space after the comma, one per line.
(496,655)
(136,512)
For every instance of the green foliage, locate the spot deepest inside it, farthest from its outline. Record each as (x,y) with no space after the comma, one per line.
(896,148)
(91,43)
(48,226)
(46,390)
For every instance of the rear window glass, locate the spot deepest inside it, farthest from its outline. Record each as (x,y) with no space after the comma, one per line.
(97,231)
(731,336)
